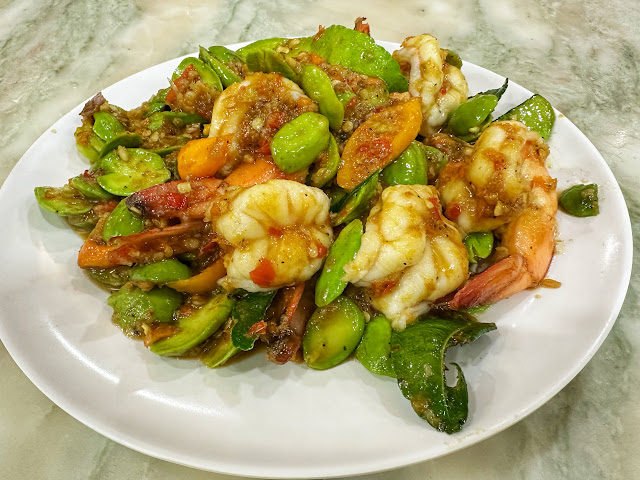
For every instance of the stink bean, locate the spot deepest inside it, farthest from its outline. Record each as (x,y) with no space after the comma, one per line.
(374,351)
(226,75)
(580,200)
(330,284)
(63,201)
(410,168)
(297,144)
(121,222)
(207,75)
(333,333)
(536,113)
(168,270)
(317,85)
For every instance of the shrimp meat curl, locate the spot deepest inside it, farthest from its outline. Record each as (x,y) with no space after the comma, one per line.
(249,113)
(276,234)
(410,255)
(441,86)
(504,186)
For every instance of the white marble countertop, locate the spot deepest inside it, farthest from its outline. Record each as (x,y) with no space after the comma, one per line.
(581,56)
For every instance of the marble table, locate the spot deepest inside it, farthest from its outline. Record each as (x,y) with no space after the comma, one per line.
(582,55)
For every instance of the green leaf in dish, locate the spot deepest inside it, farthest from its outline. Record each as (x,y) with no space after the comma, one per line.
(358,52)
(249,309)
(418,357)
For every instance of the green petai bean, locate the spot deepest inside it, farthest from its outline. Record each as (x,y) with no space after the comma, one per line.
(197,327)
(157,119)
(326,166)
(132,305)
(410,168)
(106,126)
(207,75)
(436,160)
(356,202)
(259,45)
(168,270)
(88,186)
(345,97)
(220,348)
(128,170)
(479,245)
(580,200)
(158,102)
(536,113)
(112,133)
(88,143)
(297,144)
(330,284)
(469,119)
(453,59)
(269,61)
(333,333)
(63,201)
(121,222)
(224,55)
(224,73)
(374,351)
(317,85)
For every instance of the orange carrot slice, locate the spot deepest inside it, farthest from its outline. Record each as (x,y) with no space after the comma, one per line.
(378,141)
(205,281)
(259,171)
(203,157)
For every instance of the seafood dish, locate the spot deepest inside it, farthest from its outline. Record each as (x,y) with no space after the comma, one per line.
(318,199)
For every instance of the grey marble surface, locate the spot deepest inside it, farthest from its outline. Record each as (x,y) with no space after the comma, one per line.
(583,55)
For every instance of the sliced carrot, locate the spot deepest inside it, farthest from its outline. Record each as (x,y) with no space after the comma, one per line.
(254,173)
(203,157)
(378,141)
(205,281)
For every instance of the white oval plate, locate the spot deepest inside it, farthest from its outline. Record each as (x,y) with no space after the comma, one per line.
(258,419)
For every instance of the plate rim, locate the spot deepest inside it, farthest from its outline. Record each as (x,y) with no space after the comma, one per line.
(60,400)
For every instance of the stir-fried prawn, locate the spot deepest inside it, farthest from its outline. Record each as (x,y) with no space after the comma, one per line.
(504,187)
(441,86)
(276,234)
(249,113)
(184,200)
(410,255)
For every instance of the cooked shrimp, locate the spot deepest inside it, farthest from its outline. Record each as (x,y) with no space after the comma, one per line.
(442,87)
(250,112)
(276,234)
(191,200)
(504,186)
(176,199)
(410,255)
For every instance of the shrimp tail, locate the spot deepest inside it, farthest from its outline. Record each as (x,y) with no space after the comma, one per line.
(499,281)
